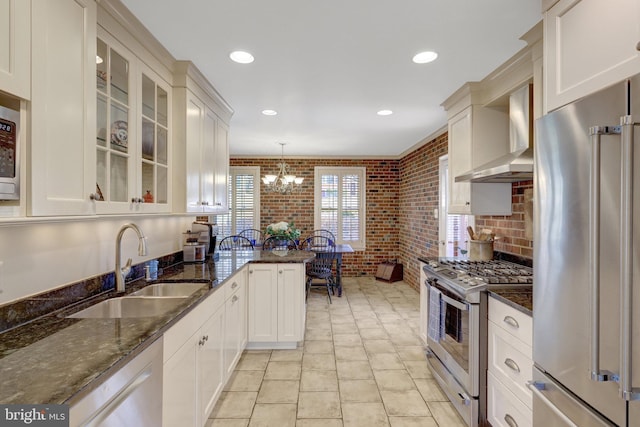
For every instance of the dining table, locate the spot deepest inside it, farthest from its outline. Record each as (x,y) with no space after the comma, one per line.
(342,248)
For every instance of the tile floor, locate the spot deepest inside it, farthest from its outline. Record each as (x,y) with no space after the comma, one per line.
(361,364)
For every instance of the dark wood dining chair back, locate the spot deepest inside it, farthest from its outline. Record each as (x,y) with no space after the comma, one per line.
(275,242)
(320,268)
(235,243)
(255,236)
(324,233)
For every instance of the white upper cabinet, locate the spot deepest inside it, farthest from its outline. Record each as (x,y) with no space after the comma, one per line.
(133,140)
(15,40)
(588,45)
(477,135)
(201,150)
(63,108)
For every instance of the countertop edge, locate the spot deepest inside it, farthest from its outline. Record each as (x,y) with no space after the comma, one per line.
(505,298)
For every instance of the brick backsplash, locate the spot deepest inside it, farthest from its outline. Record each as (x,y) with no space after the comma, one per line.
(401,197)
(512,230)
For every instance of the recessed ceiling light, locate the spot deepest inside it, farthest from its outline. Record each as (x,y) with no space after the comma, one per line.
(241,57)
(269,112)
(425,57)
(385,112)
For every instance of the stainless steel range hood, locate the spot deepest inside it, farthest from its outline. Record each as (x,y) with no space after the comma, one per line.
(517,165)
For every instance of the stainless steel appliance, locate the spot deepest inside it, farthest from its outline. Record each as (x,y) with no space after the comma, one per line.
(9,154)
(208,235)
(130,397)
(586,338)
(457,327)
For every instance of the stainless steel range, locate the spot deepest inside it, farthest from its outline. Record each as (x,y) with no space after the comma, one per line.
(457,326)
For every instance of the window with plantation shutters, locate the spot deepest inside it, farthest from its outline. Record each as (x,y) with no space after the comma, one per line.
(340,203)
(244,201)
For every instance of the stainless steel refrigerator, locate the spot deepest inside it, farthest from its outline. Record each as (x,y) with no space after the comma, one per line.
(586,315)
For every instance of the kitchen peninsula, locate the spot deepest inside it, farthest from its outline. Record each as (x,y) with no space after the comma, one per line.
(56,359)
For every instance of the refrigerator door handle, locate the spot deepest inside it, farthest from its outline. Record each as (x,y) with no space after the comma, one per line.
(536,388)
(594,243)
(627,391)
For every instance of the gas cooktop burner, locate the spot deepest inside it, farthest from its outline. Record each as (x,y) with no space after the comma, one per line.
(466,275)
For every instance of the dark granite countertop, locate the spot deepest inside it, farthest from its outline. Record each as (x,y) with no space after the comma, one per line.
(56,359)
(520,298)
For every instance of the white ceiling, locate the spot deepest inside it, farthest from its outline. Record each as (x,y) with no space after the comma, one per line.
(328,66)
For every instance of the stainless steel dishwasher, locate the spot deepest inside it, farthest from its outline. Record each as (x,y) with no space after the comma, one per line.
(130,397)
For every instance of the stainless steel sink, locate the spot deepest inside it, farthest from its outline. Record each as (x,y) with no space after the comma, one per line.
(168,289)
(130,307)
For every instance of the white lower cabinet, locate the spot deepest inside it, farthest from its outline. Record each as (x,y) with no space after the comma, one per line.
(235,321)
(504,408)
(200,353)
(509,367)
(276,305)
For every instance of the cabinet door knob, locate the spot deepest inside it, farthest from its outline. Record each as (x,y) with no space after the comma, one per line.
(201,342)
(93,196)
(234,285)
(235,298)
(638,46)
(280,271)
(467,203)
(250,271)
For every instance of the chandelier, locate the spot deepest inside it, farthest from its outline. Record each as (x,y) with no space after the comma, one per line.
(284,182)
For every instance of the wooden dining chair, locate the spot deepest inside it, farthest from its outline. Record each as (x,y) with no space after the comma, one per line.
(320,268)
(255,236)
(235,243)
(324,233)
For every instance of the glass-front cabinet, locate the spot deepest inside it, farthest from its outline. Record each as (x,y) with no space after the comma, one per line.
(154,160)
(132,135)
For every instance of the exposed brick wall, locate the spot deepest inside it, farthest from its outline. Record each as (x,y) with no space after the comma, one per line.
(511,229)
(401,197)
(419,196)
(382,196)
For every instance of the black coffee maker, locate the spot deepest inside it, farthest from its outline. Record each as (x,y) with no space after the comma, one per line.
(208,235)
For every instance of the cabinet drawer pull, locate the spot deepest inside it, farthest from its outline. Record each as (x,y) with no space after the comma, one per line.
(509,420)
(234,285)
(511,321)
(235,298)
(512,364)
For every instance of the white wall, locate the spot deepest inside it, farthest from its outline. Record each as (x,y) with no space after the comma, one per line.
(37,257)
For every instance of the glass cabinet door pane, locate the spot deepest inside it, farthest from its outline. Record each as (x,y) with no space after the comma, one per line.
(148,189)
(101,174)
(119,179)
(162,107)
(162,146)
(101,121)
(148,97)
(119,131)
(119,77)
(101,66)
(162,185)
(148,139)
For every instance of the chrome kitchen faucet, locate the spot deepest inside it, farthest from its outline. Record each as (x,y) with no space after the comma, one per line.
(121,272)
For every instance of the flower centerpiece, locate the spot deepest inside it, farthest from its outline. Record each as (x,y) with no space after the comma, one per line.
(283,230)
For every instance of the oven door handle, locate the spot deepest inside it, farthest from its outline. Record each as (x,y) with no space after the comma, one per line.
(457,304)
